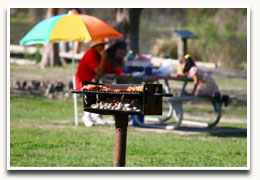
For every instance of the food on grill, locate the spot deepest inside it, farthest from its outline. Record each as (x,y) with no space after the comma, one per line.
(119,90)
(122,99)
(135,88)
(105,88)
(90,87)
(96,87)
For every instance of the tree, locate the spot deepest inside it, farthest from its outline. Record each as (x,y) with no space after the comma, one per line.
(35,14)
(127,23)
(50,55)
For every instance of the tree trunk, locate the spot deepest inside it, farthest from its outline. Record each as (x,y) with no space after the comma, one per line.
(50,55)
(35,14)
(127,23)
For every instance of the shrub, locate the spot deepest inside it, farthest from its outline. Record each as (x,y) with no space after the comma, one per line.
(164,48)
(35,57)
(167,48)
(221,40)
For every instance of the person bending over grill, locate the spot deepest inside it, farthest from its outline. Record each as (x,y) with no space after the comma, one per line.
(95,62)
(207,85)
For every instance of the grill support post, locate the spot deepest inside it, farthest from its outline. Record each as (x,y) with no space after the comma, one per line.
(120,140)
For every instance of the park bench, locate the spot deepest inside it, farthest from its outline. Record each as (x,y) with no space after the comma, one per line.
(176,111)
(175,103)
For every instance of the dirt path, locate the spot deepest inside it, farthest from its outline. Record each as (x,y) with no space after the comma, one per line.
(206,118)
(188,129)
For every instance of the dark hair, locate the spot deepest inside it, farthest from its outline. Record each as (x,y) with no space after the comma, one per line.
(111,52)
(118,45)
(189,64)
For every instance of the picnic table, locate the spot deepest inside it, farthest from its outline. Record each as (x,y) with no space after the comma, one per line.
(175,103)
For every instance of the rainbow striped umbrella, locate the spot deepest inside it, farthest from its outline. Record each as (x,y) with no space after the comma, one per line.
(69,27)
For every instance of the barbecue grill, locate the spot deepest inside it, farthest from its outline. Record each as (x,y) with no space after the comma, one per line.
(121,102)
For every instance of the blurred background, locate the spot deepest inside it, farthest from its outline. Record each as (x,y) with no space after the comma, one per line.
(222,32)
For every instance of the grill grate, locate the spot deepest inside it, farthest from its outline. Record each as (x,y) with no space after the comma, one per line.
(146,102)
(107,92)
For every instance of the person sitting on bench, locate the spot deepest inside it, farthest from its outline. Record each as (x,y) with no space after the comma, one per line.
(207,85)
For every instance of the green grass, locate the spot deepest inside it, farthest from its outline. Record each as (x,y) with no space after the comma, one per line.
(237,109)
(33,72)
(184,151)
(42,134)
(232,84)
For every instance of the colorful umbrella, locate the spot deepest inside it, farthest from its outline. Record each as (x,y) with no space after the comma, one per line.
(69,27)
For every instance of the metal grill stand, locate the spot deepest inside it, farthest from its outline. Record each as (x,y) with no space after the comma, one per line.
(120,140)
(146,102)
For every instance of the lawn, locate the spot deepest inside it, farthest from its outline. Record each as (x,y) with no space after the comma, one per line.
(232,86)
(42,134)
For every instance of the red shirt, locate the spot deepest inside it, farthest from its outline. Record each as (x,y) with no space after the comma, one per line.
(88,63)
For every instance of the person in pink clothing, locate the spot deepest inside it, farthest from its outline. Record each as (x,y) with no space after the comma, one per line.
(207,85)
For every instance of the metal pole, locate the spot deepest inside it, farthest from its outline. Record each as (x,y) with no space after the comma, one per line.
(120,140)
(184,46)
(74,87)
(181,92)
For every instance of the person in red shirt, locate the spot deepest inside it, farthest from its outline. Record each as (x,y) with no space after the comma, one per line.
(95,62)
